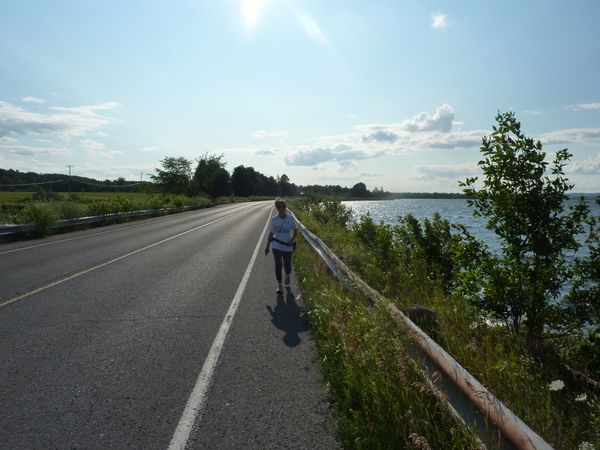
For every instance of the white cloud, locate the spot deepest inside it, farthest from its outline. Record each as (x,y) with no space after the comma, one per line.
(439,21)
(441,121)
(415,134)
(266,152)
(445,171)
(150,149)
(370,174)
(31,99)
(588,166)
(585,106)
(532,112)
(262,134)
(26,150)
(570,136)
(380,136)
(9,139)
(61,121)
(90,144)
(314,156)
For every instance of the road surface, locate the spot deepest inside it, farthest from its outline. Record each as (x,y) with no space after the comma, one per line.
(160,334)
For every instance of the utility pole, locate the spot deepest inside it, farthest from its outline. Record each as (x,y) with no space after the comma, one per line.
(70,166)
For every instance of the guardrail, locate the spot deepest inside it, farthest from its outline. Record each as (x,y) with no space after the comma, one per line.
(13,229)
(462,389)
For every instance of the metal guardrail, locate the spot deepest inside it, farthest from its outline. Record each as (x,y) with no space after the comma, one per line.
(463,391)
(13,229)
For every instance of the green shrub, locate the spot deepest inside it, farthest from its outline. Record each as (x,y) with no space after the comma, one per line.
(71,210)
(43,216)
(156,202)
(179,201)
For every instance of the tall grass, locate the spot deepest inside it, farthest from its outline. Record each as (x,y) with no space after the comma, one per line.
(381,398)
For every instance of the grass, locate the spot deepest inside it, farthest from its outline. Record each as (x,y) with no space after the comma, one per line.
(29,207)
(565,418)
(381,399)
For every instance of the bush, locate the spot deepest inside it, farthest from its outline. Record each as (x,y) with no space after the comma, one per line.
(110,206)
(327,210)
(179,201)
(43,216)
(71,210)
(43,195)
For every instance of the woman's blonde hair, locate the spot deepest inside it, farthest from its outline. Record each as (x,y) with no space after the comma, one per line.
(279,202)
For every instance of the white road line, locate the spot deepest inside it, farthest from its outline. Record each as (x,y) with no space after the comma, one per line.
(193,408)
(60,241)
(114,260)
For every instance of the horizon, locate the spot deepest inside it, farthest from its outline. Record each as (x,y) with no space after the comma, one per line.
(571,193)
(393,95)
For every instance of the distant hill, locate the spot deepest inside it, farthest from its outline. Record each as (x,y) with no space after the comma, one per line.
(14,180)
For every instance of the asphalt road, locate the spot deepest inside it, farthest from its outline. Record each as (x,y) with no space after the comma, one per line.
(105,335)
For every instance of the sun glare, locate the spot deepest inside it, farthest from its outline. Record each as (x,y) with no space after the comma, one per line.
(251,10)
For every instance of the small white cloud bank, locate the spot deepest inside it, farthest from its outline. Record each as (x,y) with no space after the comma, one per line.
(340,153)
(31,99)
(453,171)
(585,106)
(65,122)
(571,136)
(280,135)
(587,166)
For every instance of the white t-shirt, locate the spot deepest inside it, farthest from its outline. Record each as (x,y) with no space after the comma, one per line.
(282,229)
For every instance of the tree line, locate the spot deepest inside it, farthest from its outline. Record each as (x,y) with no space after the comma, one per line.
(210,177)
(177,175)
(15,180)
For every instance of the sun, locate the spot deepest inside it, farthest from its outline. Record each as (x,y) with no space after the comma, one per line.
(251,10)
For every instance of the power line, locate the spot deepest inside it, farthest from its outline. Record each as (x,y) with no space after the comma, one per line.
(32,184)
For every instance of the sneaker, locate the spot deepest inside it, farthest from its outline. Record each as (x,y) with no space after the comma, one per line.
(287,280)
(279,289)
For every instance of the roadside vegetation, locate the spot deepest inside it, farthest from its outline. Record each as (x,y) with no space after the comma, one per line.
(523,321)
(174,187)
(381,397)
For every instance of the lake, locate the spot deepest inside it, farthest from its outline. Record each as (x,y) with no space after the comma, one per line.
(454,210)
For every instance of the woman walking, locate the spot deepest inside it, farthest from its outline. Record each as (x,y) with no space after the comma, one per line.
(282,234)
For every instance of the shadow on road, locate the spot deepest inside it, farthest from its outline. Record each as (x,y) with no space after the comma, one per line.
(286,317)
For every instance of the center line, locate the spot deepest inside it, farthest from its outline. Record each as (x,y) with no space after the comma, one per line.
(193,408)
(106,263)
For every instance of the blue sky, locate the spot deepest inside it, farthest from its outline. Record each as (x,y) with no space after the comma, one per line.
(394,94)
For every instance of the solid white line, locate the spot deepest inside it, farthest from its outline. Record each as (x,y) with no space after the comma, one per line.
(193,408)
(60,241)
(106,263)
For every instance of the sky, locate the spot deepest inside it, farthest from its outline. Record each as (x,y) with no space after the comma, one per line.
(394,94)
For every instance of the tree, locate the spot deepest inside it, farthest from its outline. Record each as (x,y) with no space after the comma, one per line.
(211,177)
(270,184)
(360,190)
(245,181)
(175,175)
(283,183)
(525,207)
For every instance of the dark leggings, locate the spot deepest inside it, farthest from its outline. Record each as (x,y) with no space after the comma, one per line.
(282,259)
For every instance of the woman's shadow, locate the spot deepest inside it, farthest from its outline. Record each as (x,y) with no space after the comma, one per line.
(287,317)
